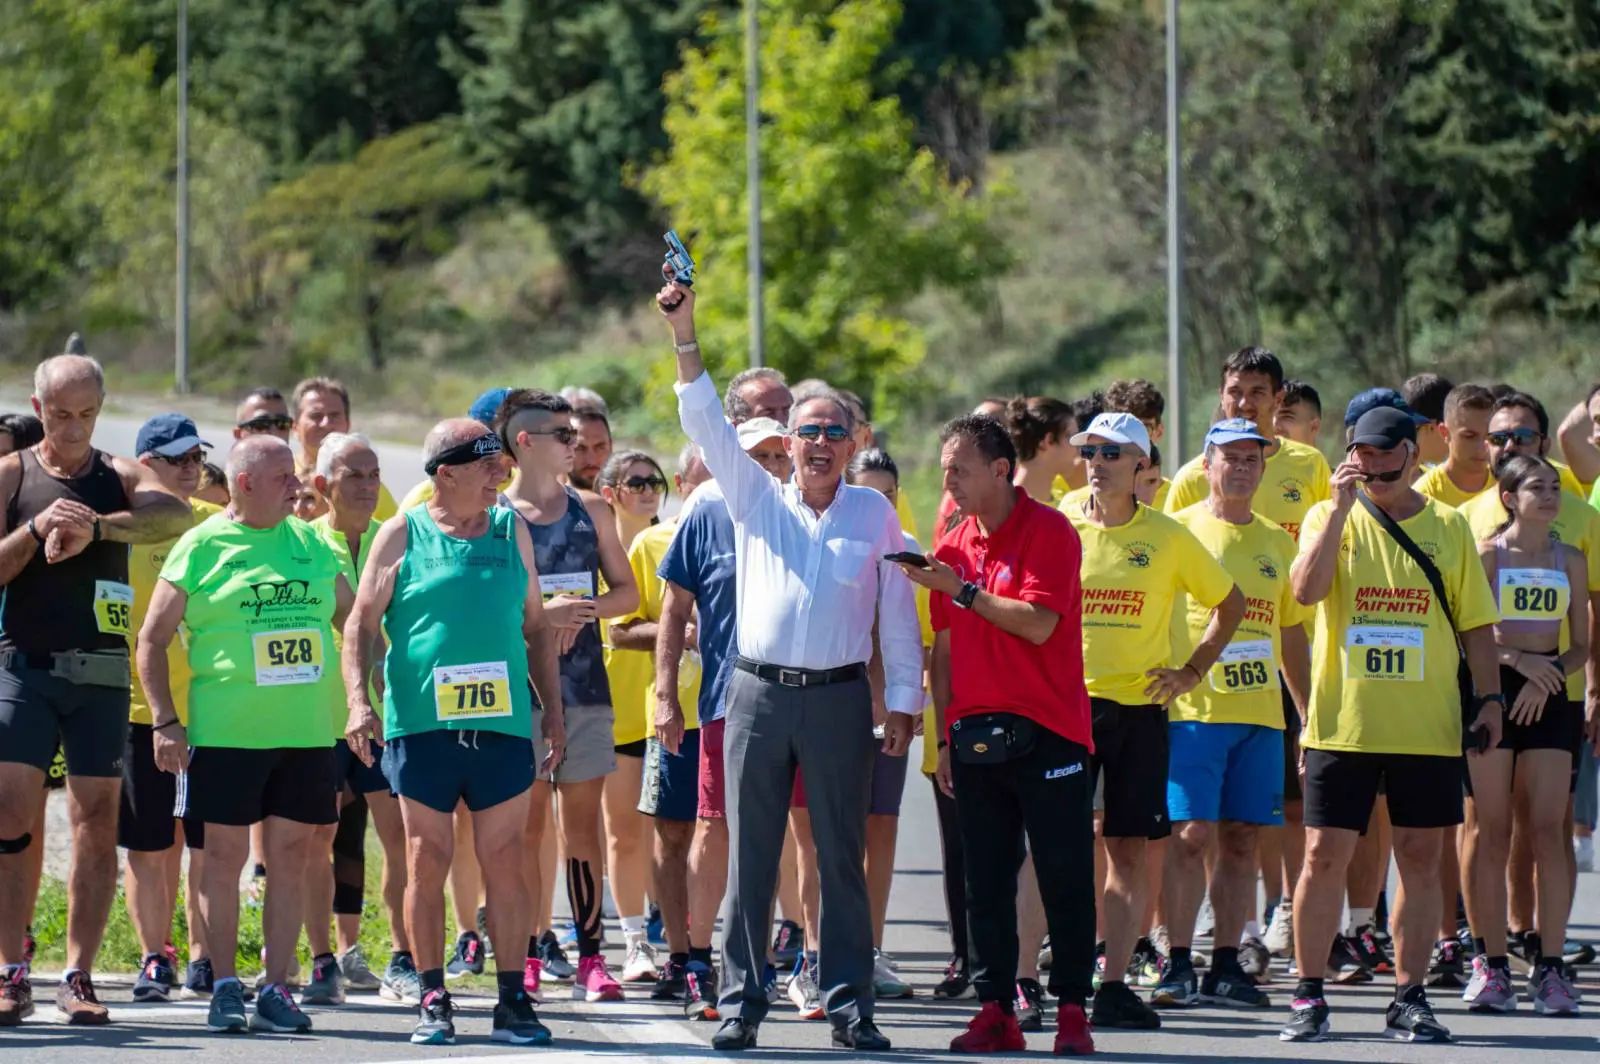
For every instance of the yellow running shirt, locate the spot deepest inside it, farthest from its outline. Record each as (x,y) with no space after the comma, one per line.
(144,566)
(1436,484)
(1383,660)
(632,673)
(1296,478)
(1576,525)
(1243,687)
(1132,576)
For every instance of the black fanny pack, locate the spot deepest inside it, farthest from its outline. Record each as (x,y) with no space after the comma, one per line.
(992,738)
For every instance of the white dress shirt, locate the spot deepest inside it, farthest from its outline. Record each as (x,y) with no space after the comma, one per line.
(810,585)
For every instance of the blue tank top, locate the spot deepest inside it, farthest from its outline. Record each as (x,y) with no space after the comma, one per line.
(567,554)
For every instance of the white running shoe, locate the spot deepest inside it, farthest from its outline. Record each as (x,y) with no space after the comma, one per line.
(642,963)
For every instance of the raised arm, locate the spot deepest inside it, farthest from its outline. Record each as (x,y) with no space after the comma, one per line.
(1577,444)
(154,514)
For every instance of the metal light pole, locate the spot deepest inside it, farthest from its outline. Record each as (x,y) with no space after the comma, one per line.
(1175,437)
(752,169)
(182,368)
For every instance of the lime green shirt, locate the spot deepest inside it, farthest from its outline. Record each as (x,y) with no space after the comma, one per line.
(260,620)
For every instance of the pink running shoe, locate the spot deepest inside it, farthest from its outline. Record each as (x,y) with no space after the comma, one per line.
(532,969)
(1552,996)
(594,982)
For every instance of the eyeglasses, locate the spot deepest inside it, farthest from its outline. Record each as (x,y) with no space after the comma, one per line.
(565,435)
(267,423)
(194,458)
(1109,451)
(1518,436)
(640,485)
(813,433)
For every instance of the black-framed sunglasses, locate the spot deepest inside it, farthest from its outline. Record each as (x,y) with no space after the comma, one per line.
(640,485)
(565,435)
(195,458)
(267,423)
(1518,436)
(1109,451)
(813,433)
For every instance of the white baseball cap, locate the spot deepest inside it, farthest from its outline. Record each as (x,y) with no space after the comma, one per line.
(1117,427)
(758,430)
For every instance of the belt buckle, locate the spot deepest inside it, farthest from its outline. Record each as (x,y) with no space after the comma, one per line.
(791,677)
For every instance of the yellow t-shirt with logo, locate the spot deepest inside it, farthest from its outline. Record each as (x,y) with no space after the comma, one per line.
(1243,687)
(144,566)
(1576,525)
(1436,484)
(1383,659)
(1132,576)
(1295,479)
(632,673)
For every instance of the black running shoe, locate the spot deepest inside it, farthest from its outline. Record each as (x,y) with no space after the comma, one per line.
(1117,1006)
(1448,969)
(1308,1021)
(1412,1020)
(1030,1005)
(1234,989)
(670,983)
(435,1020)
(1344,963)
(1370,951)
(700,992)
(956,984)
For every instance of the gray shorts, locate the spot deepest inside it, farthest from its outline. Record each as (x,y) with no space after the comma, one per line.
(38,711)
(591,750)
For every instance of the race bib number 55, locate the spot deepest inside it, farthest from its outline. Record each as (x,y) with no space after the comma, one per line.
(113,606)
(472,692)
(1373,652)
(289,657)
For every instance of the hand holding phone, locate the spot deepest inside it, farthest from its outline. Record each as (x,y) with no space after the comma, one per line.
(906,557)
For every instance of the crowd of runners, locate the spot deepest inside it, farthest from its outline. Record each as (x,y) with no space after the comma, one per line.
(1147,701)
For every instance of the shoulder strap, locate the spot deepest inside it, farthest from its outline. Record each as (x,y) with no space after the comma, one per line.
(1425,563)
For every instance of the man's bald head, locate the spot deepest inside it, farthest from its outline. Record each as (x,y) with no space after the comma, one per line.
(252,454)
(67,371)
(451,432)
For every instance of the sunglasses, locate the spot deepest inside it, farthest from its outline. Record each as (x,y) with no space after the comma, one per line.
(565,435)
(640,485)
(813,433)
(194,458)
(267,423)
(1109,451)
(1500,439)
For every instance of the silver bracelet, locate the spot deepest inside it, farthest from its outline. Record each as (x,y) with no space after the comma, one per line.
(684,349)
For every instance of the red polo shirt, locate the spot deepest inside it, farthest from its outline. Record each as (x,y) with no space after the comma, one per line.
(1033,556)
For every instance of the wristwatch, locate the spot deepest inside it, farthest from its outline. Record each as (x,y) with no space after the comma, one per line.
(1482,699)
(966,596)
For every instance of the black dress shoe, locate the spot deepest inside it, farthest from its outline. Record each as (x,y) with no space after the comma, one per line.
(862,1035)
(735,1035)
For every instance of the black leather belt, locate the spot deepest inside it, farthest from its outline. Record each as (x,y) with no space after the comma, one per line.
(802,677)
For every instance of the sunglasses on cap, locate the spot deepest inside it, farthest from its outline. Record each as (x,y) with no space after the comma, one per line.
(813,433)
(1109,451)
(267,423)
(1500,439)
(562,434)
(640,485)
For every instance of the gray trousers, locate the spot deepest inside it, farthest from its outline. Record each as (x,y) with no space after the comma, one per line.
(827,733)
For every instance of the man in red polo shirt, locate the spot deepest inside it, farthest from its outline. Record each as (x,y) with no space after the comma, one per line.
(1014,725)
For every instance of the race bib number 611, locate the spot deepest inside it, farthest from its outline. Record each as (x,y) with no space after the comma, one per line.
(1375,652)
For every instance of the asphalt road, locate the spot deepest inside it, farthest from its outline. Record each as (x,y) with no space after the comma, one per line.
(370,1030)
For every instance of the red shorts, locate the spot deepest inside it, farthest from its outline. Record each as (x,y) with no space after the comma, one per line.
(713,800)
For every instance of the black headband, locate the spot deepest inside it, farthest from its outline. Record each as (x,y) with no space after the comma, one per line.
(465,453)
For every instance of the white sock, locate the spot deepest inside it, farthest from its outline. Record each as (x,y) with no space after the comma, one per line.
(632,925)
(1252,929)
(1359,918)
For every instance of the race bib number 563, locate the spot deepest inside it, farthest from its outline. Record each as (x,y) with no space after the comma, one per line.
(1374,652)
(289,657)
(1245,666)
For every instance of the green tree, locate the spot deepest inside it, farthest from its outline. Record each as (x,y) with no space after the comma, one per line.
(856,220)
(73,105)
(567,99)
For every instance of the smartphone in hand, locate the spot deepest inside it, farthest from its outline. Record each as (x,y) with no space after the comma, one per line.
(906,557)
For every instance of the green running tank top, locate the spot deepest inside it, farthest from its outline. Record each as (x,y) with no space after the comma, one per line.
(457,660)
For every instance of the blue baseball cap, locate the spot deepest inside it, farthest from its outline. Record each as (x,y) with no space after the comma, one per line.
(487,405)
(168,435)
(1377,399)
(1233,430)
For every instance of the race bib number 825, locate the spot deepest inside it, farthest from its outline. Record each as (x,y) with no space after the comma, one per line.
(289,657)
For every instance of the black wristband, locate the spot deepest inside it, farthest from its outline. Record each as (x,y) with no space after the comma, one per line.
(33,530)
(168,724)
(96,531)
(943,745)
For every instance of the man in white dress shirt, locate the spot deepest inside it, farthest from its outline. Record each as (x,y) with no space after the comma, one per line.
(811,583)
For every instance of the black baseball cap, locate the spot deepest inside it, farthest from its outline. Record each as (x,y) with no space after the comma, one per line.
(1385,428)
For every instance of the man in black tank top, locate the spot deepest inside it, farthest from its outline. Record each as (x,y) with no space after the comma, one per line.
(70,513)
